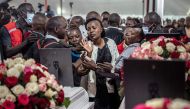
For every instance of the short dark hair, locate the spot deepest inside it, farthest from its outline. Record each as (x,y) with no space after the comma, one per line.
(153,18)
(114,19)
(54,22)
(93,14)
(95,19)
(72,29)
(79,18)
(25,7)
(39,20)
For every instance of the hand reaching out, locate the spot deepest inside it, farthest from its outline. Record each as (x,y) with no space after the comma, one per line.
(86,46)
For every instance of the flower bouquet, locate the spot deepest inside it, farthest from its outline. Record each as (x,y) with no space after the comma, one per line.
(25,84)
(161,48)
(164,103)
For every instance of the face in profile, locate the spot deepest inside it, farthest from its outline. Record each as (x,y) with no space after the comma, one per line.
(94,30)
(74,37)
(132,35)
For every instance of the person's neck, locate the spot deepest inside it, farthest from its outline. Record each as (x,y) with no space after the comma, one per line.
(100,43)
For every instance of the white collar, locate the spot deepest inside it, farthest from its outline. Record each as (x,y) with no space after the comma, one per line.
(114,27)
(48,36)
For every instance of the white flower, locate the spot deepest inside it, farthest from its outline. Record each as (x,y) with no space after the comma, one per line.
(42,80)
(52,104)
(170,47)
(18,89)
(146,45)
(158,50)
(50,93)
(155,103)
(2,101)
(179,104)
(4,91)
(11,97)
(181,49)
(29,62)
(9,63)
(19,67)
(156,42)
(32,87)
(33,78)
(13,72)
(167,39)
(18,60)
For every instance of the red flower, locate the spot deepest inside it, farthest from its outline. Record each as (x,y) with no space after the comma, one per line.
(34,100)
(23,99)
(142,106)
(152,39)
(43,103)
(162,43)
(27,76)
(175,55)
(11,81)
(188,64)
(38,73)
(175,42)
(1,76)
(61,94)
(8,105)
(60,100)
(1,107)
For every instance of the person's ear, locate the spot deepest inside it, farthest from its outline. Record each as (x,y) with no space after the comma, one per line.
(55,29)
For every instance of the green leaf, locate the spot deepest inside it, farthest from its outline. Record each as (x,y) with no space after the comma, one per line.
(66,102)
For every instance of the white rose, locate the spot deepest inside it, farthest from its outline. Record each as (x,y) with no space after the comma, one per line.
(47,74)
(32,87)
(170,47)
(42,80)
(9,63)
(52,104)
(179,104)
(158,50)
(156,42)
(146,45)
(50,93)
(59,88)
(167,39)
(4,91)
(18,89)
(19,60)
(2,101)
(13,72)
(50,82)
(11,97)
(19,67)
(33,78)
(29,62)
(155,103)
(181,49)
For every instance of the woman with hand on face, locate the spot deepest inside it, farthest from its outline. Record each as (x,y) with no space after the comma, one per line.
(103,53)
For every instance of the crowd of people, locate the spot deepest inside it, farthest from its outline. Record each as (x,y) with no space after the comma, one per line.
(99,44)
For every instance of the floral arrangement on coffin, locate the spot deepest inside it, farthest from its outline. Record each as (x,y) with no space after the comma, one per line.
(25,84)
(161,48)
(164,103)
